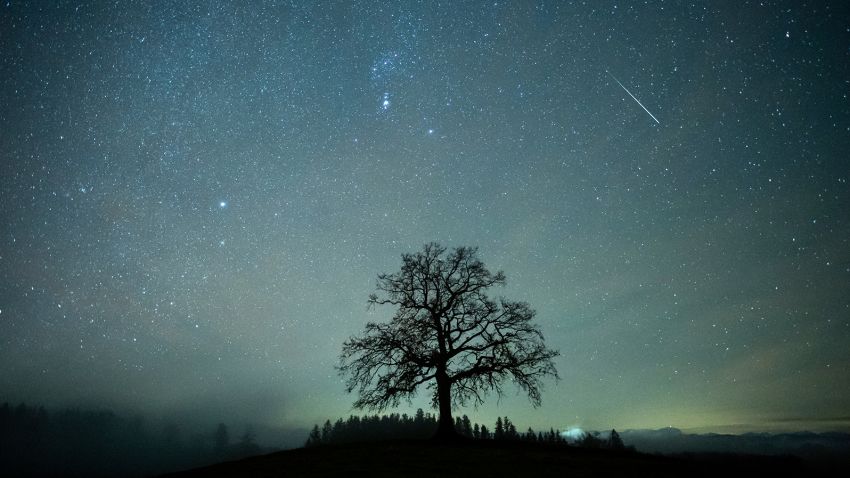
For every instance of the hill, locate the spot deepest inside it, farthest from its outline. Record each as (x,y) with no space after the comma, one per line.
(821,447)
(488,459)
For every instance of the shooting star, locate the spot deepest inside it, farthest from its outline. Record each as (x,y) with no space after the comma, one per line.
(633,97)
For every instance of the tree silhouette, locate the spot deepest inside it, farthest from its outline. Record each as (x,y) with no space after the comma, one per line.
(465,427)
(591,440)
(327,429)
(510,429)
(315,438)
(615,442)
(221,439)
(248,443)
(446,335)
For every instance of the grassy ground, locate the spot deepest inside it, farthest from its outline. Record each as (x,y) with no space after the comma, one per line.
(490,459)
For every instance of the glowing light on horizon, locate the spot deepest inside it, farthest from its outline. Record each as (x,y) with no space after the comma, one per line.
(573,434)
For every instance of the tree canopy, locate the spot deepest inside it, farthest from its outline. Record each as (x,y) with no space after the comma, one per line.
(447,335)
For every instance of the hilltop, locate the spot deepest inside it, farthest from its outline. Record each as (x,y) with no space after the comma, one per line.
(488,458)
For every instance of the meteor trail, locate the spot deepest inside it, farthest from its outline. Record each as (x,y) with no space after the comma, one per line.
(633,97)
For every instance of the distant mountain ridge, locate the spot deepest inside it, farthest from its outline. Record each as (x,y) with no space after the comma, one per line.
(803,444)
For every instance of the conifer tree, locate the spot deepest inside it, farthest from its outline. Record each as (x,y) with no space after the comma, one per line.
(315,437)
(221,440)
(465,427)
(327,431)
(615,442)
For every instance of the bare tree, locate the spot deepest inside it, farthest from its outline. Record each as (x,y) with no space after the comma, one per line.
(446,335)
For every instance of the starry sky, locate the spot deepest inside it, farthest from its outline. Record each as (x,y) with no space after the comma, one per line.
(196,199)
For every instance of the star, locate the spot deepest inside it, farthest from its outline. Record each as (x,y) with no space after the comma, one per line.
(350,140)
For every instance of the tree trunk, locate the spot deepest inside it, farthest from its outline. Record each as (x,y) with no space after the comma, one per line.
(446,425)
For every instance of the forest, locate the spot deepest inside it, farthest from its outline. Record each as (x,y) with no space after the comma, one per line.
(98,443)
(424,425)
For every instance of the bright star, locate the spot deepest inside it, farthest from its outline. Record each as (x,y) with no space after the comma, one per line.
(222,204)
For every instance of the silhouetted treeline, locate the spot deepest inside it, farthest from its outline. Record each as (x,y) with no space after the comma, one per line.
(372,428)
(423,425)
(595,440)
(35,442)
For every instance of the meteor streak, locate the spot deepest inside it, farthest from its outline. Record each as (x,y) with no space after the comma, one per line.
(633,97)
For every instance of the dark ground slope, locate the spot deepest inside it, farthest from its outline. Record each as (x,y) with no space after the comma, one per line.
(489,459)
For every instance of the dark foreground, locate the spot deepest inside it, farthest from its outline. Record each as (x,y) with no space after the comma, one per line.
(488,459)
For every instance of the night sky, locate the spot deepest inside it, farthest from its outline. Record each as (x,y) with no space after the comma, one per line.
(196,199)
